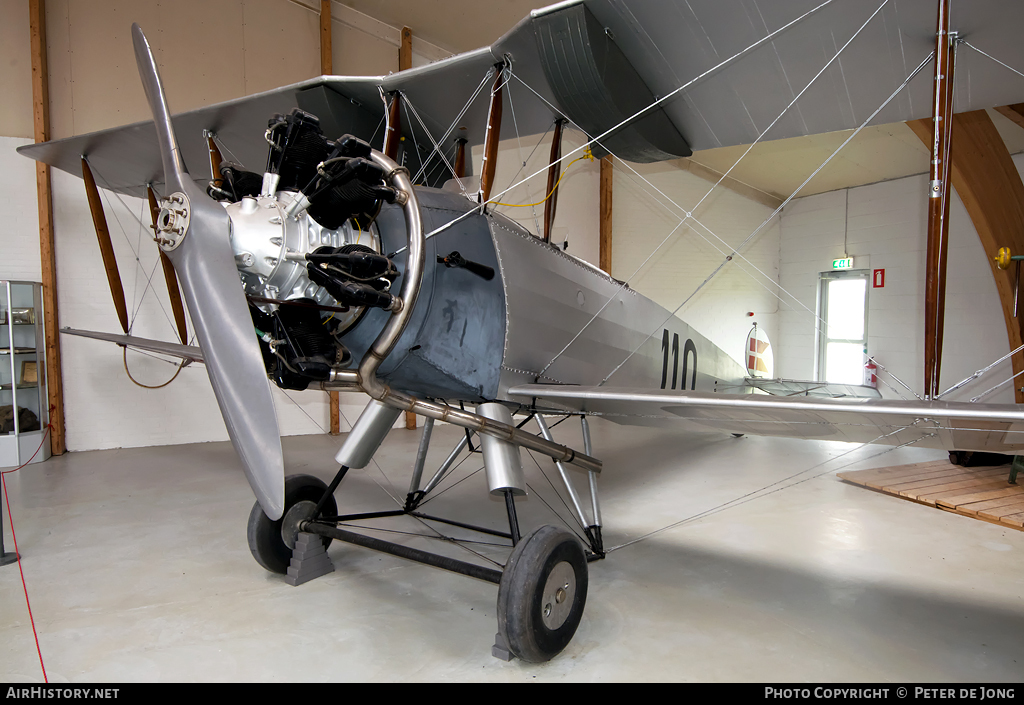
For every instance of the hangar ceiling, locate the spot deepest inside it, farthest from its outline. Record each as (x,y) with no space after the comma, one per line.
(777,168)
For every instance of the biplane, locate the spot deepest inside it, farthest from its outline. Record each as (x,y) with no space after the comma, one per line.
(387,271)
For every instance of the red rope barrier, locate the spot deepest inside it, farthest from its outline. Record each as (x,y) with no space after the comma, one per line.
(10,519)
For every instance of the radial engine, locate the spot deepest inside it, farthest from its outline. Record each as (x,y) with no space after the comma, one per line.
(306,245)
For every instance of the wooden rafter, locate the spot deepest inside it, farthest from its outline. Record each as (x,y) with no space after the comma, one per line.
(984,175)
(1013,112)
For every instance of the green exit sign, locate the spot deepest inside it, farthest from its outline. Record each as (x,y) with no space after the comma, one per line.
(845,263)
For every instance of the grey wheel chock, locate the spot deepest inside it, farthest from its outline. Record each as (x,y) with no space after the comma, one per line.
(309,560)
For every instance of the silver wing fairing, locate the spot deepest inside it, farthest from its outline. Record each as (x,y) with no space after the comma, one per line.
(927,424)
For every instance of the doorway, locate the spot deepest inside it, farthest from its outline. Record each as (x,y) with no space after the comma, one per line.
(843,329)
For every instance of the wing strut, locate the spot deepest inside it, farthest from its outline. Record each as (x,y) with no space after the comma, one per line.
(554,161)
(99,222)
(938,204)
(492,136)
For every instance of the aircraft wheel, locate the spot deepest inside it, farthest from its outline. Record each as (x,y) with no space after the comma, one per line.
(542,593)
(271,542)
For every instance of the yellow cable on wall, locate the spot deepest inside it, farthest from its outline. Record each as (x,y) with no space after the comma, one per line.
(587,154)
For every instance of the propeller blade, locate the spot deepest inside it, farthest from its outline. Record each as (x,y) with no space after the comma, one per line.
(99,222)
(173,293)
(194,231)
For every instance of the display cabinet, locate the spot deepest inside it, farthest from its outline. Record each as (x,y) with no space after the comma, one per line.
(24,411)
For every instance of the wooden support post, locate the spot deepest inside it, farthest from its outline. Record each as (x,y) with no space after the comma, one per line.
(41,122)
(606,214)
(326,69)
(404,62)
(405,51)
(554,167)
(491,137)
(326,55)
(335,413)
(938,197)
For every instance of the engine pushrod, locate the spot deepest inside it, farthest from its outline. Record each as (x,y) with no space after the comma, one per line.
(413,554)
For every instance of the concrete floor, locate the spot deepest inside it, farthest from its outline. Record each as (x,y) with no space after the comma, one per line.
(138,570)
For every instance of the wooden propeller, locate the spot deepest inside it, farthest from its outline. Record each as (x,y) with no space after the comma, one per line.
(99,222)
(173,293)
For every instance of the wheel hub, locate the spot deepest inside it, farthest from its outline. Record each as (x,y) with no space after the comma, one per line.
(295,516)
(558,595)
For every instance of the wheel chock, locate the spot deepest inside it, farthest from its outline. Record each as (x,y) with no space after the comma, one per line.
(309,560)
(500,649)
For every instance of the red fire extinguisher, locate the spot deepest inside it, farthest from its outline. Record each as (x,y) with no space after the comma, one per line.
(870,371)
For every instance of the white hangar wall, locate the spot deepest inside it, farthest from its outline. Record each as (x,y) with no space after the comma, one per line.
(208,52)
(644,218)
(641,220)
(885,228)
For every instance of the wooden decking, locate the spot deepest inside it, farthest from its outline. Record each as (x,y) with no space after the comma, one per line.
(982,493)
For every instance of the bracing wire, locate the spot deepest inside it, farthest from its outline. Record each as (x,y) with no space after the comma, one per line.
(149,281)
(638,114)
(749,238)
(688,215)
(761,492)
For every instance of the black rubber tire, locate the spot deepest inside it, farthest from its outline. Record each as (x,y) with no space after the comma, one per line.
(520,593)
(264,536)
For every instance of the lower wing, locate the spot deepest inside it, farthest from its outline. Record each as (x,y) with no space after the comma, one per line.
(188,353)
(927,424)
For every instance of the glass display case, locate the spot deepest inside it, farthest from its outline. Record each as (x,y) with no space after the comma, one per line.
(24,411)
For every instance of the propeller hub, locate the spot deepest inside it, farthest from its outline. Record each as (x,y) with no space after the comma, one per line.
(172,221)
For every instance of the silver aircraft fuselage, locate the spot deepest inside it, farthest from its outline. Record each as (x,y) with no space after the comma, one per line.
(545,317)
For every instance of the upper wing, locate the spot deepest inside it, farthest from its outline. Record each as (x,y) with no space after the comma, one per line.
(928,424)
(742,62)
